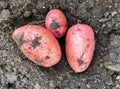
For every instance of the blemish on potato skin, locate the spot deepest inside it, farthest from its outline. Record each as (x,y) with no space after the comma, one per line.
(79,29)
(88,39)
(36,42)
(57,33)
(54,25)
(28,52)
(39,61)
(80,62)
(47,57)
(20,40)
(87,46)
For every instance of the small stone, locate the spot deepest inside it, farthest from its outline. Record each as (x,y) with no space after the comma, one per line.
(3,78)
(111,66)
(5,14)
(115,88)
(113,13)
(3,4)
(105,32)
(24,80)
(11,77)
(88,85)
(109,81)
(37,86)
(101,65)
(79,21)
(118,86)
(118,77)
(27,14)
(103,20)
(117,25)
(109,25)
(106,14)
(113,60)
(34,10)
(104,25)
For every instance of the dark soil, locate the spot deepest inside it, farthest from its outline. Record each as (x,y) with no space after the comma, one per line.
(17,72)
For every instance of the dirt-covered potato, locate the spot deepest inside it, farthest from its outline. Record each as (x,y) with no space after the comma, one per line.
(56,22)
(38,44)
(79,47)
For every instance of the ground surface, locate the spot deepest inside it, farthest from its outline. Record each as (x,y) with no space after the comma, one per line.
(17,72)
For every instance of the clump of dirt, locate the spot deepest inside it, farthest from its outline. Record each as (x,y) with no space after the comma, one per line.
(17,72)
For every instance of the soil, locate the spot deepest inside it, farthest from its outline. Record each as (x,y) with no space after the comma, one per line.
(17,72)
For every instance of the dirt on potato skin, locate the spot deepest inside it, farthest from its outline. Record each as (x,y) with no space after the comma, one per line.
(17,72)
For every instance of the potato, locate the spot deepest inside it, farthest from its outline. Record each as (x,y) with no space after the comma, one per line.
(79,47)
(56,22)
(38,44)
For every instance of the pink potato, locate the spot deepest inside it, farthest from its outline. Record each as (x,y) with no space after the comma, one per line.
(80,45)
(38,44)
(56,22)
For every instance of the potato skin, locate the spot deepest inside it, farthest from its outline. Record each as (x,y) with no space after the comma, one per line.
(38,44)
(56,22)
(80,45)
